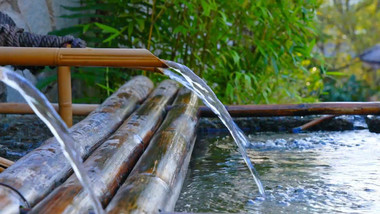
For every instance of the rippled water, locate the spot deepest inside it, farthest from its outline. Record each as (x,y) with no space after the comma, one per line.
(321,172)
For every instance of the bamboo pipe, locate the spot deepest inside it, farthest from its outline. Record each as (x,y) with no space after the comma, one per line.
(109,165)
(153,183)
(337,108)
(5,163)
(129,58)
(40,171)
(312,123)
(23,108)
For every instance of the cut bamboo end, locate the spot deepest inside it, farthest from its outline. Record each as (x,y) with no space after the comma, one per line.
(37,173)
(109,165)
(160,168)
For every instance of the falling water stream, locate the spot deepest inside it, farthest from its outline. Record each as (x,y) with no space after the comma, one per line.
(45,111)
(190,80)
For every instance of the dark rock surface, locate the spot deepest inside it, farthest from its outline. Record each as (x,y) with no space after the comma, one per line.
(373,123)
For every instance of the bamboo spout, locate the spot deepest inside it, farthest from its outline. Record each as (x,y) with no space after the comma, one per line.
(109,57)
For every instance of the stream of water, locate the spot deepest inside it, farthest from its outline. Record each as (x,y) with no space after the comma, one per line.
(190,80)
(45,111)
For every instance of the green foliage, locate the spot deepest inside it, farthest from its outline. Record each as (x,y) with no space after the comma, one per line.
(347,28)
(346,89)
(248,51)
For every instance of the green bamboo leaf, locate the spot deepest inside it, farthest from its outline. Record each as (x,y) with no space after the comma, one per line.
(106,28)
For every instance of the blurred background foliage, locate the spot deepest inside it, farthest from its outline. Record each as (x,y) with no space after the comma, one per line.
(247,51)
(263,51)
(347,28)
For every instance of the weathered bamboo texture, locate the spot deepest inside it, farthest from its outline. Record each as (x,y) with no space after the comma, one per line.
(40,171)
(153,183)
(110,164)
(335,108)
(5,163)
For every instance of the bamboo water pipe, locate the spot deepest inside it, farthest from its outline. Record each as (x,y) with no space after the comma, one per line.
(153,183)
(335,108)
(312,123)
(65,57)
(110,164)
(109,57)
(39,172)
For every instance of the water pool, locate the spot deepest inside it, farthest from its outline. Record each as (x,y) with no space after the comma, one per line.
(319,172)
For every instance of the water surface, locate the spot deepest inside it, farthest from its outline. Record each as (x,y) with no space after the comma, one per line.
(322,172)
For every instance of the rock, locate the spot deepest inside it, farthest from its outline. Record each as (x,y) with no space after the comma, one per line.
(373,123)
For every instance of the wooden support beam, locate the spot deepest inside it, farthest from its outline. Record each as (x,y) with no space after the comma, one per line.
(334,108)
(344,108)
(40,171)
(64,95)
(23,108)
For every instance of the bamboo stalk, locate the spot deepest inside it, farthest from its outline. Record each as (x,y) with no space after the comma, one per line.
(118,57)
(335,108)
(40,171)
(64,95)
(338,108)
(153,183)
(312,123)
(23,108)
(109,165)
(5,163)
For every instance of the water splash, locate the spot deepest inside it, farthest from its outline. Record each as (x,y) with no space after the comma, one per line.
(45,111)
(190,80)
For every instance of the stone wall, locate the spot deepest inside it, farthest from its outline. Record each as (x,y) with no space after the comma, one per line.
(36,16)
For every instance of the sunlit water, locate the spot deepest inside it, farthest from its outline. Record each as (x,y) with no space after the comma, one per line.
(322,172)
(45,111)
(187,78)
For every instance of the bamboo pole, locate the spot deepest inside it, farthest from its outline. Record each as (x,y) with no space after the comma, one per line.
(343,108)
(64,95)
(5,163)
(118,57)
(312,123)
(109,165)
(23,108)
(40,171)
(152,185)
(335,108)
